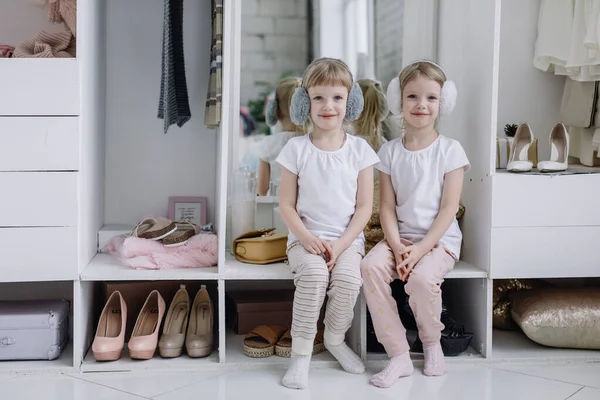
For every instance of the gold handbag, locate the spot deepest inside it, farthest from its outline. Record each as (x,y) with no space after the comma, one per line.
(260,247)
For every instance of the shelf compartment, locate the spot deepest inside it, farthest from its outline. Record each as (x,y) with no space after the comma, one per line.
(104,267)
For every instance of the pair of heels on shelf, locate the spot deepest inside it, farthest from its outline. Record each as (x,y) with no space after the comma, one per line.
(170,233)
(197,335)
(518,160)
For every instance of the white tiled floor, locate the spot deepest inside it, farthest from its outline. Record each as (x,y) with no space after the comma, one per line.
(464,382)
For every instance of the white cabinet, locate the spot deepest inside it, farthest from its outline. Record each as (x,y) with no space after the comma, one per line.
(81,147)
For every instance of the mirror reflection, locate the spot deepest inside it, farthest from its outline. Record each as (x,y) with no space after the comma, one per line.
(279,40)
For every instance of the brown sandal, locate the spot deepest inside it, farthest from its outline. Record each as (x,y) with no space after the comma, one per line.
(260,342)
(184,232)
(283,348)
(154,229)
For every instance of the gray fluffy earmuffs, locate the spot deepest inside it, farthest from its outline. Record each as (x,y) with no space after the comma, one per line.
(271,112)
(447,96)
(300,104)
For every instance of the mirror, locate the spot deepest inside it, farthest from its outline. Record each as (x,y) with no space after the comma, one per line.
(279,39)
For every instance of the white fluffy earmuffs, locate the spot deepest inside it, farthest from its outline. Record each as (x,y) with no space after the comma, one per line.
(300,105)
(447,96)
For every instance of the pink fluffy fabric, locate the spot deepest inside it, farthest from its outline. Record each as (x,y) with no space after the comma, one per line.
(199,252)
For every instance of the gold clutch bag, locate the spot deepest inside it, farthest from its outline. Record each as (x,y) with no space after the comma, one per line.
(260,247)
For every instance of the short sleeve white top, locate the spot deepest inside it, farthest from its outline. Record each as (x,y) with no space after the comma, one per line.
(268,149)
(418,180)
(327,183)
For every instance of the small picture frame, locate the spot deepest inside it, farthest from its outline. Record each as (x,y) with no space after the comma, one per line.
(190,209)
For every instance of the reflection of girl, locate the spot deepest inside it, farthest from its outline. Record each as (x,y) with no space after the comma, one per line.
(267,150)
(369,124)
(376,125)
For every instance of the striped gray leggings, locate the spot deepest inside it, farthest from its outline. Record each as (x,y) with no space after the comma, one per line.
(312,279)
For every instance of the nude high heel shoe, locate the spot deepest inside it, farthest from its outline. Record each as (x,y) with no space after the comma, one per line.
(144,338)
(110,335)
(518,160)
(559,150)
(173,336)
(199,340)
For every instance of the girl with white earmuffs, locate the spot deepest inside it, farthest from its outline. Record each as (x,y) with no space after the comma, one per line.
(325,199)
(421,179)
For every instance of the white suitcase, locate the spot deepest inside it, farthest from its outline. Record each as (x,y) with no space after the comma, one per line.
(33,329)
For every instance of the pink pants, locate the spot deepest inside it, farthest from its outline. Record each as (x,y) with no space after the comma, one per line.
(378,270)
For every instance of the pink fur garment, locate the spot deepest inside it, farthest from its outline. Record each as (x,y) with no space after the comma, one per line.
(199,252)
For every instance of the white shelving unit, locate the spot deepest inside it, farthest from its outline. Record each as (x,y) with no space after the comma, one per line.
(81,149)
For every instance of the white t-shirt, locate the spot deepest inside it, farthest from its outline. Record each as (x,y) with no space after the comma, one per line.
(418,179)
(269,148)
(327,183)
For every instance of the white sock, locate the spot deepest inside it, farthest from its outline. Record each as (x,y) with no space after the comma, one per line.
(397,367)
(296,376)
(346,357)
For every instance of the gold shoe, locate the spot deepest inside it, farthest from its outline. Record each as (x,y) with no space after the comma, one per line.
(173,336)
(199,339)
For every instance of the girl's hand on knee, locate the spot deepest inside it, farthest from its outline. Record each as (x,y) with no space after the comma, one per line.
(336,248)
(314,245)
(411,255)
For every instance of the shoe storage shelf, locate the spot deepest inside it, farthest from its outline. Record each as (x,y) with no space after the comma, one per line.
(81,149)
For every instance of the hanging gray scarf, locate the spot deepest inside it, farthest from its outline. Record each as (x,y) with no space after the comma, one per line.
(173,104)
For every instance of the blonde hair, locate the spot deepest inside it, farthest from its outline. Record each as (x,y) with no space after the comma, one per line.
(283,94)
(375,110)
(421,68)
(327,72)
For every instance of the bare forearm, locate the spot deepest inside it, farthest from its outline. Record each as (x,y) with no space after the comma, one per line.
(439,227)
(357,224)
(293,222)
(389,224)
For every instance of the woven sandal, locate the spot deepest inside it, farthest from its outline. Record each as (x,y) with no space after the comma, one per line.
(260,342)
(184,232)
(283,348)
(154,229)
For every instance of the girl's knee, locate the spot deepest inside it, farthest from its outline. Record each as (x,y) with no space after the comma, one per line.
(419,283)
(315,274)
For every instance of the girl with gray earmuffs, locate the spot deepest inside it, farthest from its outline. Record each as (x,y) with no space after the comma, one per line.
(326,198)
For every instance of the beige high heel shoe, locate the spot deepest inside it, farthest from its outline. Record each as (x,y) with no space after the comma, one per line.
(110,335)
(199,340)
(173,336)
(144,338)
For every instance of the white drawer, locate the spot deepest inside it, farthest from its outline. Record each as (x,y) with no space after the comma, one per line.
(545,200)
(39,86)
(38,199)
(548,252)
(38,254)
(39,143)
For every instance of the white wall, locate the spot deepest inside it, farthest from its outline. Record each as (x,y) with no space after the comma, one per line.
(526,94)
(21,20)
(274,41)
(143,165)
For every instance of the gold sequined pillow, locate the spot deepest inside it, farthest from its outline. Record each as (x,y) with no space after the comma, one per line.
(559,317)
